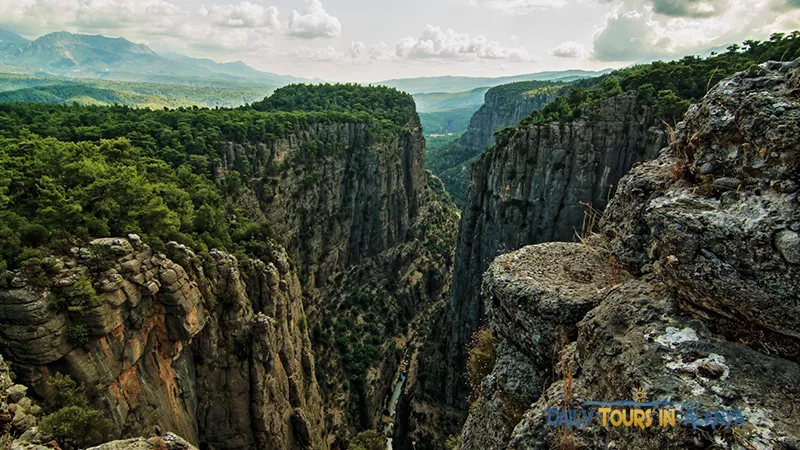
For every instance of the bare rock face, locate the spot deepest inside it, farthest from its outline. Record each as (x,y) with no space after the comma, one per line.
(215,355)
(533,304)
(332,211)
(169,441)
(531,187)
(709,316)
(724,234)
(500,109)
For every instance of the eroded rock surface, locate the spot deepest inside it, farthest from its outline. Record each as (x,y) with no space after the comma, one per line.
(709,314)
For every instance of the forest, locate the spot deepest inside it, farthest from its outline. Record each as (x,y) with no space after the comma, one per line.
(71,173)
(670,86)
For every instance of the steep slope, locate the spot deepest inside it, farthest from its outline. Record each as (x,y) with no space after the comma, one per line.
(216,347)
(687,296)
(503,106)
(532,186)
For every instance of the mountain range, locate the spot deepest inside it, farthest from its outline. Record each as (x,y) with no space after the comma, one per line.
(461,84)
(95,56)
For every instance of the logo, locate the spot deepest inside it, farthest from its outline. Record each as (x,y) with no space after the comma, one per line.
(639,413)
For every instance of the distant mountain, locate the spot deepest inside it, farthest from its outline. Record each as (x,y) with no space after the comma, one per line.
(240,70)
(461,84)
(11,40)
(95,56)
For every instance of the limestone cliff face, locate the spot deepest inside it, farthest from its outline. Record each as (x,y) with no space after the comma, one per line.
(219,351)
(498,111)
(214,355)
(687,295)
(532,187)
(335,194)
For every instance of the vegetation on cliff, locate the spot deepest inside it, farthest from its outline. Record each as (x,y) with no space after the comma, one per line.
(669,86)
(387,106)
(79,172)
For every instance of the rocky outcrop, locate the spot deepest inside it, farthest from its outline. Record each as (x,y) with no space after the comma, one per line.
(700,302)
(533,186)
(169,441)
(215,354)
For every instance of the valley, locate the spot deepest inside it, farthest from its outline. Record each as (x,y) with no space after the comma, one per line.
(196,255)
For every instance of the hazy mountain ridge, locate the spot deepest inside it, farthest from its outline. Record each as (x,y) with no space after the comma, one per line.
(97,56)
(460,84)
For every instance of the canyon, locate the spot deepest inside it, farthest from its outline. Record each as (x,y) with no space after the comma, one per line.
(602,254)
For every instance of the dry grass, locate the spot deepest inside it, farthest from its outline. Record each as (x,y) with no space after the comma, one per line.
(564,438)
(592,237)
(480,361)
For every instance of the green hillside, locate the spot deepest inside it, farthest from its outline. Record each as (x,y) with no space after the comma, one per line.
(63,90)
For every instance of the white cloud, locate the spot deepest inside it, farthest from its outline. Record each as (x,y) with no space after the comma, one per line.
(447,44)
(243,15)
(569,49)
(518,6)
(315,54)
(242,26)
(634,31)
(313,22)
(377,52)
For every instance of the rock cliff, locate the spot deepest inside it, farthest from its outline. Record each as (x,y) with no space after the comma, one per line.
(215,354)
(688,294)
(533,186)
(217,348)
(503,106)
(335,193)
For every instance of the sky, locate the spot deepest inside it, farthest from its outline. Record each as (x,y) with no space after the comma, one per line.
(374,40)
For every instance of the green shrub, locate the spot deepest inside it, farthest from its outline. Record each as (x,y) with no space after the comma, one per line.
(368,440)
(102,258)
(243,344)
(78,334)
(453,442)
(77,426)
(77,297)
(70,419)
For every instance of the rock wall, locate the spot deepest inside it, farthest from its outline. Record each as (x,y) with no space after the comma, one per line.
(219,351)
(498,111)
(533,186)
(697,290)
(215,355)
(334,193)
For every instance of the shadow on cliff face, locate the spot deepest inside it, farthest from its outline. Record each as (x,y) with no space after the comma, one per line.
(706,313)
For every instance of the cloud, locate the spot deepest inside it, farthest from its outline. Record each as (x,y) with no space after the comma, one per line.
(518,6)
(313,22)
(243,15)
(377,52)
(569,49)
(435,43)
(242,26)
(316,54)
(634,31)
(682,8)
(689,8)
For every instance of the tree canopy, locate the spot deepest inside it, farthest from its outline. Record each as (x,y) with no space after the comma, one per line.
(71,173)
